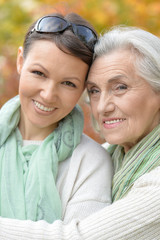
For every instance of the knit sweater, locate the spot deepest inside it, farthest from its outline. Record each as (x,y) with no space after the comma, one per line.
(84,180)
(131,218)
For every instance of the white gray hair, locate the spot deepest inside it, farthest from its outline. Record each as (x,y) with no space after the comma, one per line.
(144,45)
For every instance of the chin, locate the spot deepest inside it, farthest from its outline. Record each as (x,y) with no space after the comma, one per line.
(113,141)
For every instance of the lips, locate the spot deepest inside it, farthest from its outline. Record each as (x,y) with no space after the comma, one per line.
(42,107)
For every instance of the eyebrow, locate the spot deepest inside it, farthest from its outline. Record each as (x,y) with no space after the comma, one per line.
(112,79)
(117,77)
(38,64)
(72,78)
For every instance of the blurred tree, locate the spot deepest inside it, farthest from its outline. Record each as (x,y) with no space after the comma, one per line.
(14,20)
(16,16)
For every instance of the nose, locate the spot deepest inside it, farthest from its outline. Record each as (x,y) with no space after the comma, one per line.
(49,92)
(105,104)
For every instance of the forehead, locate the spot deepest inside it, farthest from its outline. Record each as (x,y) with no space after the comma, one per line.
(48,52)
(117,63)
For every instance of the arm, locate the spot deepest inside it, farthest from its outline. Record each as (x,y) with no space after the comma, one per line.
(137,216)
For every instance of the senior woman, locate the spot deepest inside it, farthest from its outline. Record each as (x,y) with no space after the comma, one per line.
(124,90)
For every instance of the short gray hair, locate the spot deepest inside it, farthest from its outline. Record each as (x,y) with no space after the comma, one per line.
(144,45)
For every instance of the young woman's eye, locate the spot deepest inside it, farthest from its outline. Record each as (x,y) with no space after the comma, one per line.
(39,73)
(70,84)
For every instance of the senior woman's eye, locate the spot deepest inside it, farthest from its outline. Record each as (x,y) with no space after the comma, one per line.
(120,88)
(92,91)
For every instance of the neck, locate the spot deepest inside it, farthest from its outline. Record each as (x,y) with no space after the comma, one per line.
(31,132)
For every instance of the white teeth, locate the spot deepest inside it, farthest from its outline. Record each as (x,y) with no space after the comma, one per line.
(42,107)
(114,121)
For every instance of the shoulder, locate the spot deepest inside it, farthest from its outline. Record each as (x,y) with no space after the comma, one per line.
(90,156)
(88,171)
(88,146)
(151,178)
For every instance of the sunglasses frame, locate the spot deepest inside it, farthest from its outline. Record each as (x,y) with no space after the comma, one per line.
(74,28)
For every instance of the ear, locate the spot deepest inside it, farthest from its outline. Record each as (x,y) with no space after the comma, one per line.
(20,60)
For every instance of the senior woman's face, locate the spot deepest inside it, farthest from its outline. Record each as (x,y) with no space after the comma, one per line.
(124,104)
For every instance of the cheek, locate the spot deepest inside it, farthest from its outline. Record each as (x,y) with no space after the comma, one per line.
(26,85)
(26,93)
(74,96)
(130,106)
(94,109)
(23,88)
(69,99)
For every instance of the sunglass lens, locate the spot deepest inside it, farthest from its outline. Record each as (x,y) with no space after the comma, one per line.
(86,35)
(51,25)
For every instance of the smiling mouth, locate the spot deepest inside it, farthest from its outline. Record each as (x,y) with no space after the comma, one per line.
(42,107)
(114,121)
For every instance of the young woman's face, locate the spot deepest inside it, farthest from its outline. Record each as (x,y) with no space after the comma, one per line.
(124,104)
(51,83)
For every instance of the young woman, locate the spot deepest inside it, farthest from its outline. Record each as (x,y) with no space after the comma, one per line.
(49,169)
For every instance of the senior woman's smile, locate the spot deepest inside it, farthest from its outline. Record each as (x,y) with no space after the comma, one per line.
(123,103)
(112,122)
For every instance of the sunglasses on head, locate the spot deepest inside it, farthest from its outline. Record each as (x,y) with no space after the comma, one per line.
(54,24)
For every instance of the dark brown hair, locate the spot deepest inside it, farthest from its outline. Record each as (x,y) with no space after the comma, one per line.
(66,41)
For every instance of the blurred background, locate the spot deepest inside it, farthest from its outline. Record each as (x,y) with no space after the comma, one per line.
(16,16)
